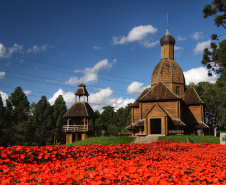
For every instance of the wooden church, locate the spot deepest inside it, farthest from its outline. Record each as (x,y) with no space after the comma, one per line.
(78,117)
(168,107)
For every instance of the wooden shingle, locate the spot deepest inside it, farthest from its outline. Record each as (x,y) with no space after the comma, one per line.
(159,92)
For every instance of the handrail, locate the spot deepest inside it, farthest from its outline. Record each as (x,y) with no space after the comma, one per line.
(74,128)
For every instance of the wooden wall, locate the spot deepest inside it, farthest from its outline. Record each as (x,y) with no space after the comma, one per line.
(167,51)
(197,111)
(171,108)
(135,115)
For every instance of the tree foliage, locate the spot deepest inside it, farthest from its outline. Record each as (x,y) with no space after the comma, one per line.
(43,122)
(59,109)
(215,59)
(214,97)
(17,117)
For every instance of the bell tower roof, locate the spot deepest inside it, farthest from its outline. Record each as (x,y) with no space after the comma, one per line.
(81,91)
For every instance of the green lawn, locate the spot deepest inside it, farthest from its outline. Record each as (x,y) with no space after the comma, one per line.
(195,139)
(105,140)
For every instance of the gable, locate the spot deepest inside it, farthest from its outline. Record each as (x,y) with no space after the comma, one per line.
(156,111)
(191,97)
(159,92)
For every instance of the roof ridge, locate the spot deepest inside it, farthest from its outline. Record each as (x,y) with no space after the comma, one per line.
(160,69)
(197,95)
(145,94)
(170,60)
(86,108)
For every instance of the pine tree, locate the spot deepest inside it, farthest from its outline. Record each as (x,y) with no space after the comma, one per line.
(59,109)
(43,123)
(3,125)
(17,117)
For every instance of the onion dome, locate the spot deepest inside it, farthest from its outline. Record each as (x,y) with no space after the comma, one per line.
(167,71)
(167,38)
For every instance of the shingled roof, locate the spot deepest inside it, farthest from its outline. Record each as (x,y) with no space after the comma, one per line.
(136,103)
(82,90)
(80,109)
(191,97)
(167,71)
(159,92)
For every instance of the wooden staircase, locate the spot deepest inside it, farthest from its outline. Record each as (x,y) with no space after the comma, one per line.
(147,139)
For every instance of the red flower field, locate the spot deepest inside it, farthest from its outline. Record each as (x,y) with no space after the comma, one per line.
(161,162)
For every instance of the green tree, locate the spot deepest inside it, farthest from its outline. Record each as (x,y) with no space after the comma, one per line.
(43,123)
(3,125)
(18,119)
(108,120)
(215,60)
(214,98)
(59,109)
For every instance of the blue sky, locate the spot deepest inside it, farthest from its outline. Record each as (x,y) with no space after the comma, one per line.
(49,47)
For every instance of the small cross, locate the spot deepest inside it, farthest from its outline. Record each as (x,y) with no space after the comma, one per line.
(224,139)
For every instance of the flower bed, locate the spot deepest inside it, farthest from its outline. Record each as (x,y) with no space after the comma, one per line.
(161,162)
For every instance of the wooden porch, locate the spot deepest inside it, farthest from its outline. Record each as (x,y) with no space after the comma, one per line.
(75,128)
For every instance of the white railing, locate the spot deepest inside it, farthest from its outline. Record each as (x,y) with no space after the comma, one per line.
(74,128)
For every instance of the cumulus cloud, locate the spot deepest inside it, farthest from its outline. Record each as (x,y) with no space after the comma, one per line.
(177,48)
(36,49)
(197,35)
(148,44)
(69,97)
(138,33)
(180,38)
(4,97)
(7,52)
(201,46)
(105,97)
(90,74)
(98,100)
(97,47)
(199,74)
(2,74)
(136,88)
(27,92)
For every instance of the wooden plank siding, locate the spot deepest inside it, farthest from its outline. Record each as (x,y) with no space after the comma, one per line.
(197,112)
(136,115)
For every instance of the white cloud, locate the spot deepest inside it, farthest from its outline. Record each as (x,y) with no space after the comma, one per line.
(197,35)
(97,101)
(27,92)
(201,46)
(177,48)
(199,74)
(69,97)
(7,52)
(2,74)
(138,33)
(36,49)
(136,88)
(4,97)
(180,38)
(148,44)
(91,74)
(97,47)
(105,97)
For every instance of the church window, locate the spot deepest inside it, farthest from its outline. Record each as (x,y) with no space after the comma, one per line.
(177,89)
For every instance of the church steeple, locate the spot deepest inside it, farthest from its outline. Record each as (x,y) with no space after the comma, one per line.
(167,44)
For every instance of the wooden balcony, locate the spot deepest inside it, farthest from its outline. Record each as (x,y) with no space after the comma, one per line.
(75,128)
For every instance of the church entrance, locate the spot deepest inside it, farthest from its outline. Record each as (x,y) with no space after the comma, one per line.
(156,126)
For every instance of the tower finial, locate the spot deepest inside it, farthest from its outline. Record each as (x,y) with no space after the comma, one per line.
(167,20)
(167,29)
